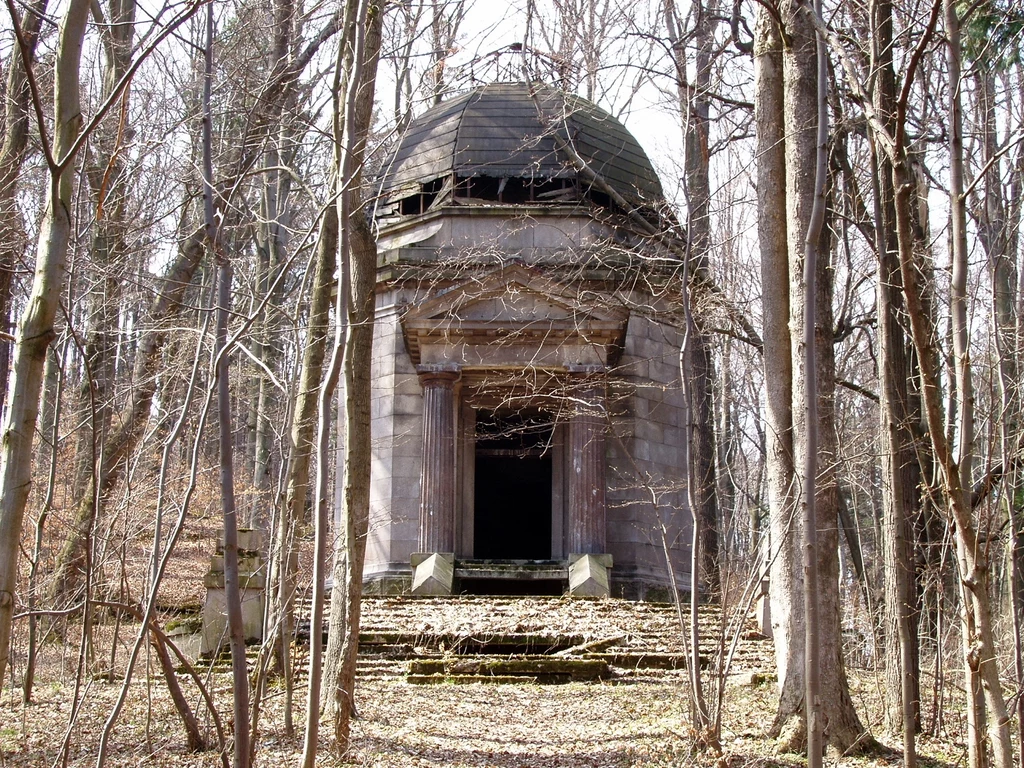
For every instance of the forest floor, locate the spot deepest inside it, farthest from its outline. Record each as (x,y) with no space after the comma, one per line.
(634,718)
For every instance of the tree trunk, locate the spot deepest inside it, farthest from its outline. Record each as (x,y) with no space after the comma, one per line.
(106,177)
(53,377)
(899,464)
(193,736)
(778,364)
(980,661)
(16,126)
(696,107)
(304,422)
(35,329)
(797,97)
(1013,220)
(980,664)
(355,79)
(343,644)
(360,249)
(273,255)
(816,246)
(275,193)
(316,615)
(993,233)
(232,587)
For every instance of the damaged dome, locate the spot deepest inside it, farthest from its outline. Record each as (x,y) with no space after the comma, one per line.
(502,143)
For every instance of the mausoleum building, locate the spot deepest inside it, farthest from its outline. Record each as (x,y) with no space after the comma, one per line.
(527,415)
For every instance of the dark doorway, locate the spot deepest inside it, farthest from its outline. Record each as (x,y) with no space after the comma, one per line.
(512,502)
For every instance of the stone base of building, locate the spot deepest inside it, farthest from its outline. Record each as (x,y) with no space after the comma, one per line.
(647,588)
(389,584)
(474,576)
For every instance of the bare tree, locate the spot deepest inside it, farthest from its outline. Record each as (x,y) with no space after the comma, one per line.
(985,702)
(232,587)
(695,104)
(446,17)
(35,329)
(815,253)
(354,90)
(106,175)
(980,668)
(900,466)
(15,143)
(359,270)
(997,232)
(787,94)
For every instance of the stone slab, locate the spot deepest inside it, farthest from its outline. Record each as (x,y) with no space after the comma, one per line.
(469,679)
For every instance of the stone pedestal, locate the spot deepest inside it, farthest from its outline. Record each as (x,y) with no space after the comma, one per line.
(252,580)
(589,575)
(587,472)
(437,479)
(433,573)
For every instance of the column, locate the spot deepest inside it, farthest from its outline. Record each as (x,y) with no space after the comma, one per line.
(437,477)
(587,476)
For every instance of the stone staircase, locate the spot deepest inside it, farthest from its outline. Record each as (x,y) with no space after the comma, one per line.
(536,640)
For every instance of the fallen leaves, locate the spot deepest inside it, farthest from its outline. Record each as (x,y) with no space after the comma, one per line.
(640,719)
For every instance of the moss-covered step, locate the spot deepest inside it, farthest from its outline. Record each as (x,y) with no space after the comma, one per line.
(642,660)
(468,679)
(546,669)
(502,644)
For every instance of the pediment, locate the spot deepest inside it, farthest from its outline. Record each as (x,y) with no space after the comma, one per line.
(512,304)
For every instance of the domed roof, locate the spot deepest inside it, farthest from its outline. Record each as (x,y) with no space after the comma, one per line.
(497,131)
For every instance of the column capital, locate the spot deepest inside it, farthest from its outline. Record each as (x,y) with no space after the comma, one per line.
(587,385)
(440,373)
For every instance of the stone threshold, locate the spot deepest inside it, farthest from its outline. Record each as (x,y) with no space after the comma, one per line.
(547,570)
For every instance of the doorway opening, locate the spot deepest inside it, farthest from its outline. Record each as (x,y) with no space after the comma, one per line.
(512,486)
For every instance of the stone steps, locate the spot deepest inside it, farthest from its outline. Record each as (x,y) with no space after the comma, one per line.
(541,669)
(540,640)
(469,679)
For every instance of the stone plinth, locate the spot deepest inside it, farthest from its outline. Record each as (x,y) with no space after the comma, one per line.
(433,573)
(590,575)
(252,581)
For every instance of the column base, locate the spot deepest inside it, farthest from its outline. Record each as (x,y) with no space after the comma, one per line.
(433,573)
(589,575)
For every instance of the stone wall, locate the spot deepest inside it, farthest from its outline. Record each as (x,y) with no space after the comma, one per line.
(532,235)
(397,433)
(645,460)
